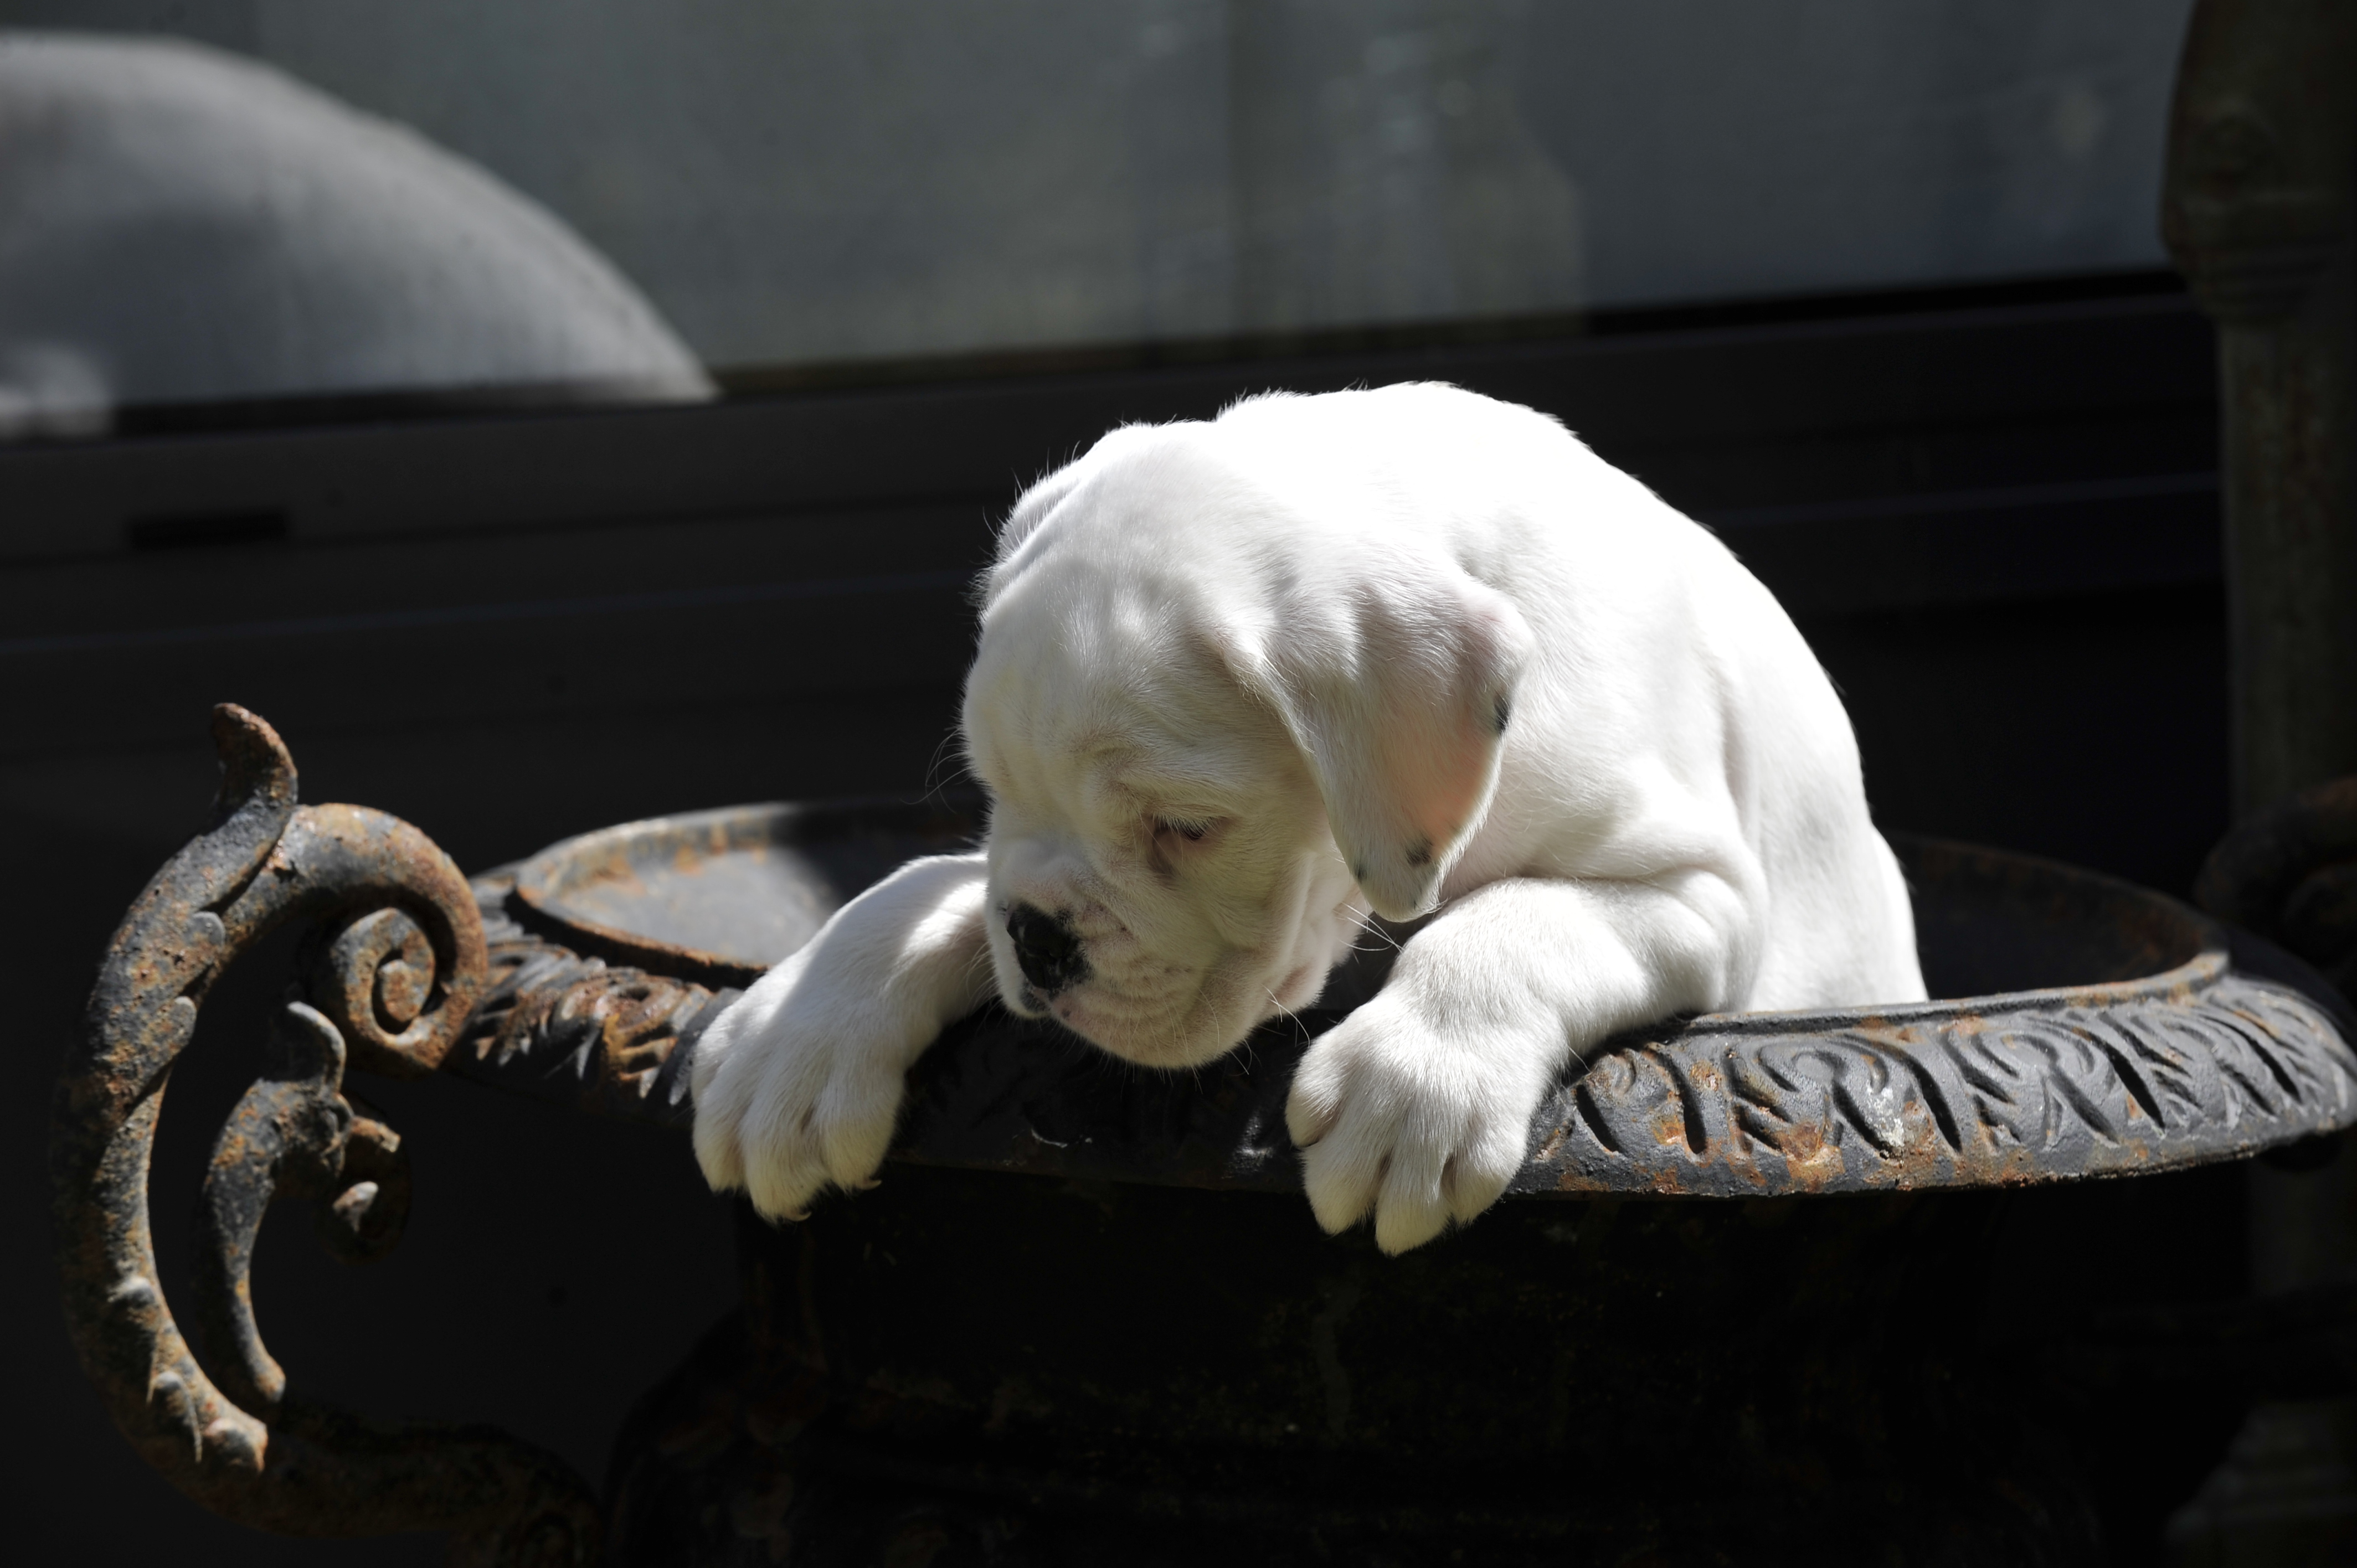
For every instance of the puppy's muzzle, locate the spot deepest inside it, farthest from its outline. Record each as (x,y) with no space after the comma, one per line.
(1046,950)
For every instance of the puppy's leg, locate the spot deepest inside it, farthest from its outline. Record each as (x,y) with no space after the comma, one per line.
(1419,1105)
(797,1084)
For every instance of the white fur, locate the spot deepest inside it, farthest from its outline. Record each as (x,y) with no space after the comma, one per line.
(1238,687)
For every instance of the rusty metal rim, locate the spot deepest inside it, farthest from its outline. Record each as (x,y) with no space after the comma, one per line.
(2183,1060)
(541,881)
(2190,978)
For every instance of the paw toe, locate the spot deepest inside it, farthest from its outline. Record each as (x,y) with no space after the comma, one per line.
(1341,1175)
(719,1121)
(1311,1107)
(1411,1209)
(1477,1176)
(718,1156)
(782,1191)
(853,1127)
(1400,1226)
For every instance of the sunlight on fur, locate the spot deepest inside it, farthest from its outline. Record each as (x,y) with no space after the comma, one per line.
(1243,685)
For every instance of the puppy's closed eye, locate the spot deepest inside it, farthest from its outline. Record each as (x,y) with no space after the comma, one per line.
(1187,830)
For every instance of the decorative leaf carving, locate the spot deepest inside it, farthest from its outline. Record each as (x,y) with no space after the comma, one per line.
(2201,1064)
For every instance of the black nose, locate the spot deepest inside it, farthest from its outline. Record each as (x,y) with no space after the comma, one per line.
(1046,950)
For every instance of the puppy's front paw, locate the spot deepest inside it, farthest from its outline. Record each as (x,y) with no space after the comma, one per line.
(1419,1125)
(797,1084)
(793,1095)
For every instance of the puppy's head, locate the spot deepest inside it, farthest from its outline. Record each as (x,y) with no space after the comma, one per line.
(1216,737)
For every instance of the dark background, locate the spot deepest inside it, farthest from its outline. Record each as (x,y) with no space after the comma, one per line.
(1994,512)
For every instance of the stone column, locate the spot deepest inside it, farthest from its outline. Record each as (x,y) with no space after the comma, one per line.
(2257,213)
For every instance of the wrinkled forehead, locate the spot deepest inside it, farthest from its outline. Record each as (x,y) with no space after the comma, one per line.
(1104,674)
(1092,698)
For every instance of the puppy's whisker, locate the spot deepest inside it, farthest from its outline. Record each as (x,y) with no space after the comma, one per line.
(936,781)
(1367,926)
(1300,1029)
(978,963)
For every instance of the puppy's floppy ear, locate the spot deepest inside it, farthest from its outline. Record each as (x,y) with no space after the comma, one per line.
(1398,685)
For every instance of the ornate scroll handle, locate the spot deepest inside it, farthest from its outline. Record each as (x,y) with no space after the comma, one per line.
(397,965)
(294,1134)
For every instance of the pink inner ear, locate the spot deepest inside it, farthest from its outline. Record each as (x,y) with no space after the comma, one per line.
(1398,698)
(1438,759)
(1435,761)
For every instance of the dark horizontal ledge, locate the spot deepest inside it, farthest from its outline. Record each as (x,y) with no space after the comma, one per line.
(1857,554)
(2000,544)
(1716,388)
(718,595)
(1950,504)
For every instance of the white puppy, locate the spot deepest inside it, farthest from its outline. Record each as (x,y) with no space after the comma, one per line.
(1241,684)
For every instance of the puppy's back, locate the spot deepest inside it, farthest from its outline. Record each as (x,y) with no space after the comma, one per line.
(1671,701)
(1663,650)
